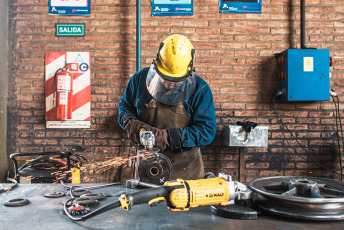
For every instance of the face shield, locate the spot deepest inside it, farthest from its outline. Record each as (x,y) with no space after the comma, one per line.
(170,92)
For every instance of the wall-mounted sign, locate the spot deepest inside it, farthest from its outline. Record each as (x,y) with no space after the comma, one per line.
(70,7)
(70,29)
(240,6)
(172,7)
(67,92)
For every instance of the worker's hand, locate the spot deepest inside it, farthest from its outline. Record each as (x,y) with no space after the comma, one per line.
(132,130)
(161,138)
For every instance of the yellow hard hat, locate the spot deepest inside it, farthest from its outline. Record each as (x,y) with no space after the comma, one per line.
(175,57)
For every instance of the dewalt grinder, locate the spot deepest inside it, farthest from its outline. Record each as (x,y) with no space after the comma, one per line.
(181,195)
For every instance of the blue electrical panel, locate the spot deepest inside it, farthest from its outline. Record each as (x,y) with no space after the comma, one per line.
(305,74)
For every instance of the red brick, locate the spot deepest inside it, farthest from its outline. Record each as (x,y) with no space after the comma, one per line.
(257,165)
(234,55)
(71,142)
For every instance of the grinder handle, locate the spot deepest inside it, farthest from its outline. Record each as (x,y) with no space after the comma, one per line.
(144,196)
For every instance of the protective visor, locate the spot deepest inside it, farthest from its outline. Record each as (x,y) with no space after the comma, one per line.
(169,92)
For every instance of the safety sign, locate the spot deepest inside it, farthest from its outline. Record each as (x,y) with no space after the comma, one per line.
(70,7)
(67,89)
(172,7)
(69,30)
(308,64)
(240,6)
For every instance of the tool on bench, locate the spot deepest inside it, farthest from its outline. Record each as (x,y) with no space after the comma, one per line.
(180,195)
(150,165)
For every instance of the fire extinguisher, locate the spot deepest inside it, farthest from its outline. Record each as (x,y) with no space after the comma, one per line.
(63,92)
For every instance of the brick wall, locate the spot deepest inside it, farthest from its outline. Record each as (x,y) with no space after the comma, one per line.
(234,54)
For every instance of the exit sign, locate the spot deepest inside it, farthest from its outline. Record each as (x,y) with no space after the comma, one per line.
(70,30)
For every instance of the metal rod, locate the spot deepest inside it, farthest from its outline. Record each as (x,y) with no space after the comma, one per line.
(303,22)
(148,185)
(90,187)
(138,35)
(99,186)
(241,170)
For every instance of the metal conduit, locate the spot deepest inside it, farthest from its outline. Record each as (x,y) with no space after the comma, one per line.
(303,22)
(138,35)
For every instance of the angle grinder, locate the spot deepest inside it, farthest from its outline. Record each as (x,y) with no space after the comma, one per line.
(153,167)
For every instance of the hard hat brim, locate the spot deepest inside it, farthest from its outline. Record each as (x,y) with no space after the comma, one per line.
(172,77)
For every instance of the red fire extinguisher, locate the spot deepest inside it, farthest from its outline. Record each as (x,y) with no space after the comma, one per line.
(63,92)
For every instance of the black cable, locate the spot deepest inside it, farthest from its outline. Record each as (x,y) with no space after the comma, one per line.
(98,211)
(41,159)
(341,129)
(282,125)
(15,184)
(338,141)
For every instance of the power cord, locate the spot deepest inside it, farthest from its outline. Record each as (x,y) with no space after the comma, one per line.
(282,125)
(341,131)
(15,184)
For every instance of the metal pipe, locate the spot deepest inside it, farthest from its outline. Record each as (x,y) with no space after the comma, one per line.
(89,187)
(303,22)
(138,35)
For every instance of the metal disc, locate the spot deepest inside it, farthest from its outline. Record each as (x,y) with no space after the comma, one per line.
(54,194)
(17,202)
(93,196)
(234,211)
(155,168)
(80,191)
(75,209)
(299,197)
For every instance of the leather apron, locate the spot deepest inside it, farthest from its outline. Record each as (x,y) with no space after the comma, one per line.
(186,165)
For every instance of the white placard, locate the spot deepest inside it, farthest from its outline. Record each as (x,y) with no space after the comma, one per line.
(68,124)
(308,64)
(68,2)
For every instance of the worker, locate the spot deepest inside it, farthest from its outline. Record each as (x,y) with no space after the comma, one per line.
(170,100)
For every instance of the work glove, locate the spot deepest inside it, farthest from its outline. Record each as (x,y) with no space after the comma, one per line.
(132,131)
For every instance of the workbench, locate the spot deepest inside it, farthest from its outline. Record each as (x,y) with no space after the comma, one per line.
(46,213)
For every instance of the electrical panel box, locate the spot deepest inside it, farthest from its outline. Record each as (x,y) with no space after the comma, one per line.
(305,74)
(235,135)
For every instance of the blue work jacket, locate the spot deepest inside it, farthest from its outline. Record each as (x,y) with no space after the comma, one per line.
(199,108)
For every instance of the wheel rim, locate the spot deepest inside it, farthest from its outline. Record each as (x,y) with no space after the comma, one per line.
(300,197)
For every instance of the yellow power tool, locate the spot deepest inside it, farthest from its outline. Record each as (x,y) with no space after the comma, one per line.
(180,195)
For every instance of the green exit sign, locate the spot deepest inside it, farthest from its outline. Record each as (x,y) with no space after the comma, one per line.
(70,30)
